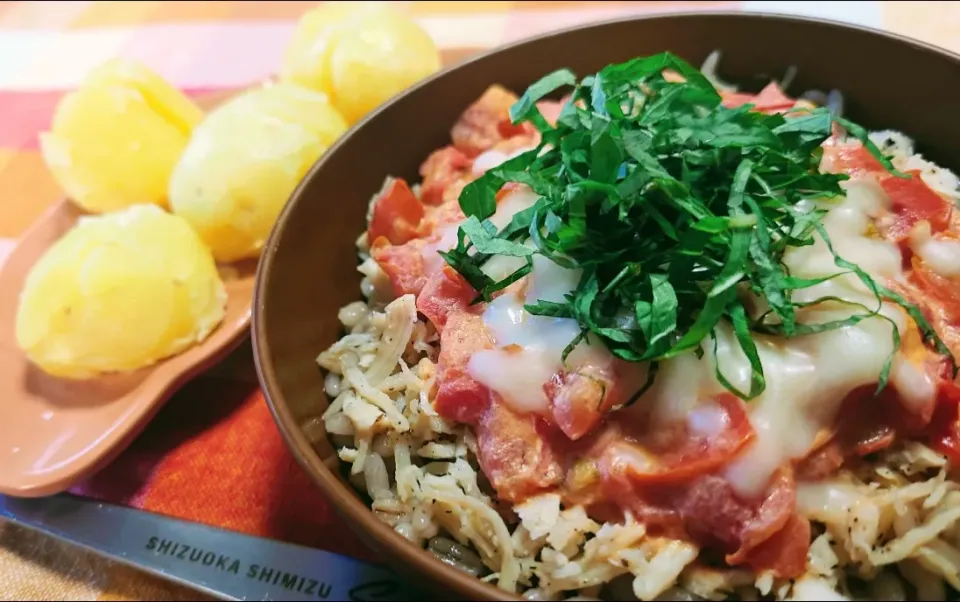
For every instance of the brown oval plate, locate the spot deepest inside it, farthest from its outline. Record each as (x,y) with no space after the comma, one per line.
(887,81)
(55,432)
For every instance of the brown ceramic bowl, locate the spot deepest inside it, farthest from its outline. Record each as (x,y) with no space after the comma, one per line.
(309,270)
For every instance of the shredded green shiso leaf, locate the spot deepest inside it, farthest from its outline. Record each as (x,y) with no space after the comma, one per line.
(669,203)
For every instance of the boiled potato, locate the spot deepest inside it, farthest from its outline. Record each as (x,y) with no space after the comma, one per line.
(114,141)
(307,56)
(117,292)
(358,56)
(244,161)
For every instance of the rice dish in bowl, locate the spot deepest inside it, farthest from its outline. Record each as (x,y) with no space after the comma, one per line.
(659,339)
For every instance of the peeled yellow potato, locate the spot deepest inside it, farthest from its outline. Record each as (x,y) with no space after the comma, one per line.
(358,56)
(307,56)
(244,161)
(114,141)
(118,292)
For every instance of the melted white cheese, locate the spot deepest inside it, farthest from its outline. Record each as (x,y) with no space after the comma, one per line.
(827,502)
(432,261)
(941,255)
(915,386)
(493,158)
(848,224)
(512,204)
(529,347)
(806,377)
(708,420)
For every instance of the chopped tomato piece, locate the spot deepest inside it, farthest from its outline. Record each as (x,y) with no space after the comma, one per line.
(875,440)
(459,397)
(444,292)
(515,453)
(478,128)
(411,264)
(785,552)
(486,123)
(868,436)
(867,423)
(822,462)
(934,296)
(677,493)
(950,335)
(507,129)
(659,513)
(732,100)
(912,417)
(403,265)
(770,100)
(550,109)
(713,510)
(914,201)
(577,400)
(945,425)
(396,213)
(580,399)
(680,455)
(852,159)
(444,215)
(949,392)
(944,292)
(445,173)
(772,94)
(708,511)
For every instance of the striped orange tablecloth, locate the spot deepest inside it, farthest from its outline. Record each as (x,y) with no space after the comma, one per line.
(213,454)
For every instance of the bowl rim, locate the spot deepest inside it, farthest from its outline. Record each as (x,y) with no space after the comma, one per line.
(344,500)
